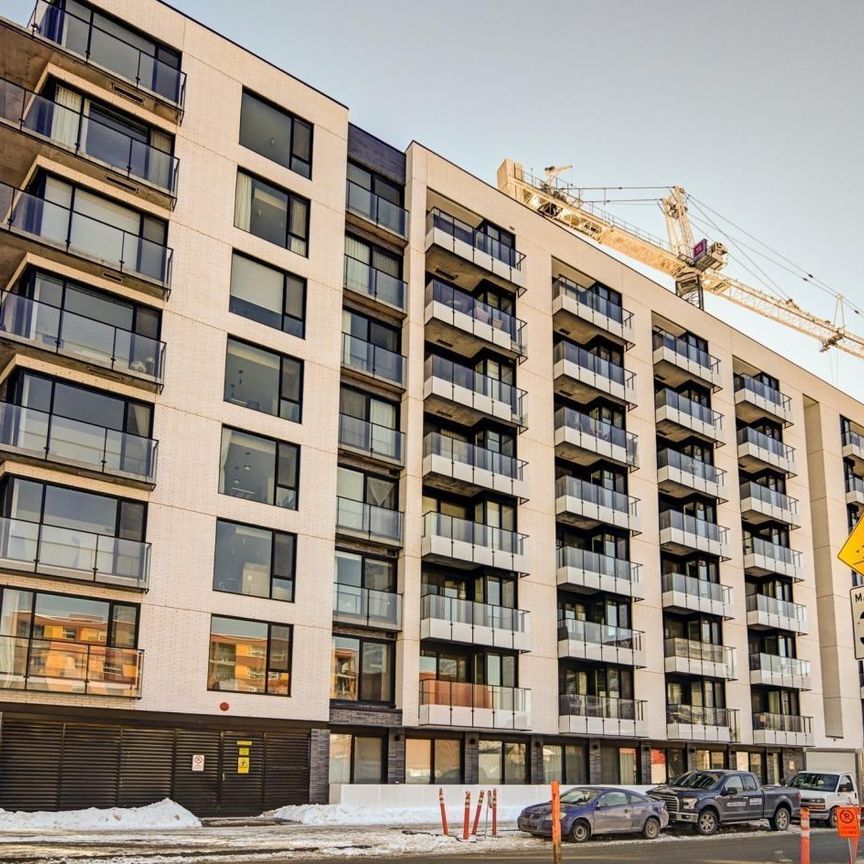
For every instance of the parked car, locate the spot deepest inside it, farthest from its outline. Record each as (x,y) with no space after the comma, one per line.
(709,799)
(589,810)
(822,792)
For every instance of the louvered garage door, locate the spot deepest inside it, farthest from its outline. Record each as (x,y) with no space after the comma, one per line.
(30,755)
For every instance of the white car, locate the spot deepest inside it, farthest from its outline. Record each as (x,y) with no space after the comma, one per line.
(822,792)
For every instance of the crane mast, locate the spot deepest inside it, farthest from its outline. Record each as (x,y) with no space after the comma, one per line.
(695,266)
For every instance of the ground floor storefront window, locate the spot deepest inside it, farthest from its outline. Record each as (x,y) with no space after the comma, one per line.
(433,760)
(502,762)
(356,758)
(565,762)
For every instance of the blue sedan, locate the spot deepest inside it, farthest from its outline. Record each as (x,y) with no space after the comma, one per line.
(589,810)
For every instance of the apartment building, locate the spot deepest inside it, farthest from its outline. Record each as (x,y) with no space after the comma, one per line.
(350,469)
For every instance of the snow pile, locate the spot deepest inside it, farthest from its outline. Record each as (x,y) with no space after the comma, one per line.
(162,815)
(343,814)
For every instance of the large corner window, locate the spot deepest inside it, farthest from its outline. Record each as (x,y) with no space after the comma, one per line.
(263,380)
(276,134)
(259,469)
(271,213)
(267,295)
(249,656)
(362,670)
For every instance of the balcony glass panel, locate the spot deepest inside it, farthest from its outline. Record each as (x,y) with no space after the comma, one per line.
(854,483)
(690,649)
(592,562)
(464,376)
(769,496)
(363,278)
(568,418)
(763,391)
(435,444)
(376,209)
(688,465)
(702,715)
(593,493)
(693,587)
(581,705)
(780,665)
(599,634)
(372,359)
(773,606)
(691,525)
(353,604)
(475,533)
(670,399)
(853,439)
(748,435)
(590,298)
(462,694)
(375,522)
(458,611)
(686,351)
(370,437)
(586,360)
(479,240)
(774,551)
(781,722)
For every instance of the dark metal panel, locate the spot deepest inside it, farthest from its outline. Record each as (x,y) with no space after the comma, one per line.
(91,766)
(146,762)
(197,791)
(242,793)
(374,153)
(30,763)
(287,769)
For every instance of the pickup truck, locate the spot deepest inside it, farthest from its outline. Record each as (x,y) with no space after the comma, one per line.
(822,792)
(708,799)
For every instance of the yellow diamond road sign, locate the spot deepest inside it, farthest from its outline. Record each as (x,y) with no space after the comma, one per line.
(852,553)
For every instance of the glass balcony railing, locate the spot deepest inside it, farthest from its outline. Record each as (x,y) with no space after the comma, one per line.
(56,438)
(770,497)
(609,707)
(57,666)
(479,458)
(589,297)
(687,352)
(702,715)
(697,588)
(773,606)
(667,398)
(366,607)
(108,50)
(746,384)
(373,360)
(463,694)
(763,721)
(602,565)
(473,533)
(457,611)
(78,234)
(477,240)
(592,633)
(704,652)
(61,332)
(691,525)
(772,551)
(780,665)
(481,314)
(591,427)
(85,135)
(773,446)
(362,278)
(598,366)
(853,439)
(688,465)
(51,549)
(375,523)
(371,438)
(854,483)
(364,202)
(592,493)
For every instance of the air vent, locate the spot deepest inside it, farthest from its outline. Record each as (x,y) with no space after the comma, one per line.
(129,187)
(113,277)
(126,94)
(449,276)
(445,343)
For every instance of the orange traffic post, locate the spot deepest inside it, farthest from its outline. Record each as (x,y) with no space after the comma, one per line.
(556,823)
(444,828)
(477,814)
(805,836)
(494,812)
(466,821)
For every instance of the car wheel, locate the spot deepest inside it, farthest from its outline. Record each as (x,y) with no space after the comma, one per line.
(651,828)
(706,822)
(832,818)
(780,819)
(580,832)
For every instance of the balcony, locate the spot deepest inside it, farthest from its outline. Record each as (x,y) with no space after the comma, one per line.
(854,489)
(389,218)
(677,361)
(458,393)
(583,439)
(681,533)
(579,374)
(853,447)
(466,468)
(703,659)
(371,439)
(785,730)
(604,643)
(368,522)
(80,142)
(375,285)
(683,593)
(581,314)
(584,504)
(92,52)
(75,668)
(755,400)
(762,558)
(447,539)
(56,331)
(769,613)
(756,451)
(60,232)
(680,475)
(701,723)
(459,250)
(36,435)
(368,360)
(773,671)
(760,504)
(583,569)
(601,715)
(481,706)
(455,620)
(364,607)
(67,553)
(461,323)
(678,417)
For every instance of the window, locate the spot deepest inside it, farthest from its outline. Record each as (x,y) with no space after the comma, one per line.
(501,762)
(267,295)
(369,330)
(565,763)
(613,799)
(375,183)
(362,670)
(254,561)
(356,758)
(433,760)
(734,784)
(271,213)
(249,656)
(367,488)
(259,469)
(263,380)
(276,134)
(365,571)
(750,781)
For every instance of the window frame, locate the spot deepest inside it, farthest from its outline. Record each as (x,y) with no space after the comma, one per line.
(433,740)
(300,333)
(363,641)
(291,197)
(352,755)
(294,118)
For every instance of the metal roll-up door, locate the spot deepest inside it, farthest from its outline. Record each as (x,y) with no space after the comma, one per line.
(287,769)
(91,766)
(146,766)
(197,791)
(30,759)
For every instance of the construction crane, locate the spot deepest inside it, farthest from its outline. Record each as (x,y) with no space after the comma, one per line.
(696,266)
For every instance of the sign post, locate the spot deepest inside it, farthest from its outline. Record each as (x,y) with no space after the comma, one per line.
(805,836)
(849,826)
(557,857)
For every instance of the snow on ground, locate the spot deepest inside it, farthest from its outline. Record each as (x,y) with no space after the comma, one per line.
(342,814)
(162,815)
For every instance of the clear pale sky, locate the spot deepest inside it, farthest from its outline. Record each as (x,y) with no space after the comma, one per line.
(754,107)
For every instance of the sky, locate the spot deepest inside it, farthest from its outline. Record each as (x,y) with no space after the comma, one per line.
(753,107)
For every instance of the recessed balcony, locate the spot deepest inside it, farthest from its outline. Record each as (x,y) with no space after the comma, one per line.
(373,361)
(678,418)
(782,730)
(679,475)
(677,361)
(455,620)
(604,643)
(365,607)
(755,400)
(853,447)
(601,715)
(480,706)
(582,569)
(770,670)
(682,593)
(703,659)
(461,323)
(584,439)
(769,613)
(386,218)
(756,451)
(701,723)
(460,250)
(760,504)
(458,393)
(762,558)
(581,314)
(371,439)
(584,504)
(467,468)
(579,374)
(374,286)
(447,539)
(682,533)
(854,489)
(368,522)
(73,668)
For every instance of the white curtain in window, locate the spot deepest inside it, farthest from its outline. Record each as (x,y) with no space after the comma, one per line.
(243,201)
(357,249)
(67,116)
(159,158)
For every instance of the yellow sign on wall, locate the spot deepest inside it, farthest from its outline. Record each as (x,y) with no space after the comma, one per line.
(852,553)
(242,764)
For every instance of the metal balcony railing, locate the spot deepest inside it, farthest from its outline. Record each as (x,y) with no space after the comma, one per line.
(473,533)
(592,562)
(598,366)
(457,611)
(478,240)
(367,607)
(590,298)
(773,606)
(776,448)
(591,427)
(593,633)
(371,438)
(610,707)
(762,720)
(702,715)
(700,588)
(363,278)
(687,352)
(706,652)
(372,359)
(463,694)
(773,551)
(364,202)
(760,389)
(375,523)
(593,493)
(780,665)
(769,496)
(480,458)
(688,465)
(691,525)
(667,398)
